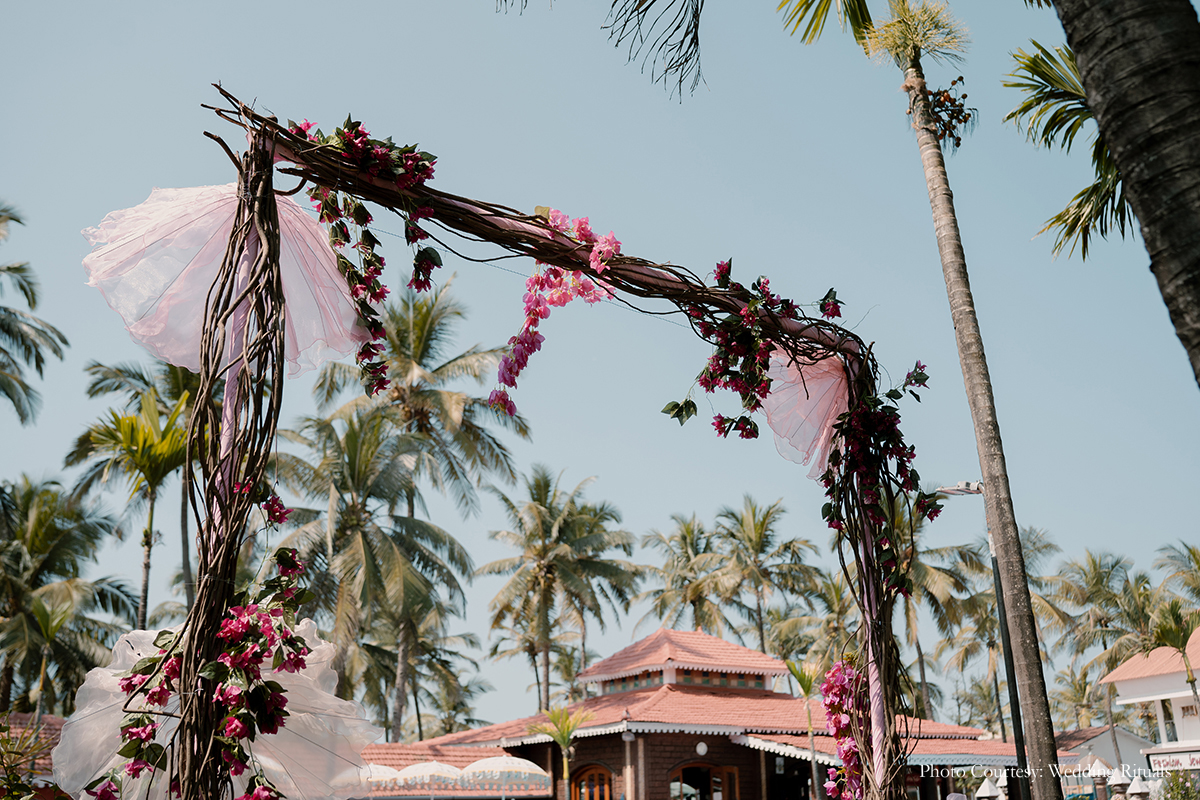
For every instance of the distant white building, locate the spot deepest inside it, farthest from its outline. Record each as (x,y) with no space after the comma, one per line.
(1098,743)
(1158,678)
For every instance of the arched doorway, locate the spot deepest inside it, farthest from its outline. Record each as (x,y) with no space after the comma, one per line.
(704,782)
(592,783)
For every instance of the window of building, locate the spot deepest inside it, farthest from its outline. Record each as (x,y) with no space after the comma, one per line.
(592,783)
(704,782)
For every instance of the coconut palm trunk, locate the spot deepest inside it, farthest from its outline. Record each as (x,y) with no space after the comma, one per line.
(400,689)
(924,684)
(1138,64)
(189,585)
(147,546)
(1001,519)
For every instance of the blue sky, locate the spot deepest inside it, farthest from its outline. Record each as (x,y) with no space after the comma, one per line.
(796,161)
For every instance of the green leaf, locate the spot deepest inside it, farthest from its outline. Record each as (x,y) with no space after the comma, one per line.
(670,408)
(130,749)
(430,254)
(146,665)
(164,638)
(215,671)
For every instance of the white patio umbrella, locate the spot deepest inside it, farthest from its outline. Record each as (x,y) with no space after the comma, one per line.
(506,770)
(429,773)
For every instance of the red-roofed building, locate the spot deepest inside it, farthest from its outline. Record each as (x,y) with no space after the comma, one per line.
(682,715)
(1158,678)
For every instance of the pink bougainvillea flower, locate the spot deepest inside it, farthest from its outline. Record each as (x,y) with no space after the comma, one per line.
(583,230)
(500,401)
(228,695)
(235,728)
(293,661)
(605,248)
(130,683)
(159,695)
(236,765)
(105,791)
(276,513)
(136,767)
(143,733)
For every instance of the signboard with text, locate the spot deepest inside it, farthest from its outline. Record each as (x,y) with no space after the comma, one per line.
(1163,762)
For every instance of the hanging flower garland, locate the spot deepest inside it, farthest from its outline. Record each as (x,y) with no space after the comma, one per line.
(257,636)
(348,220)
(553,287)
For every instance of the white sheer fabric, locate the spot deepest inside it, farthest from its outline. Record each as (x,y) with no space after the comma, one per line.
(316,755)
(154,264)
(802,411)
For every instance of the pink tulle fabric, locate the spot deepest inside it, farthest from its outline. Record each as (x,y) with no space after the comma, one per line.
(802,411)
(316,755)
(154,264)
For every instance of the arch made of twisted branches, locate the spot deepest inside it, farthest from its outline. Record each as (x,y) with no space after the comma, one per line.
(243,341)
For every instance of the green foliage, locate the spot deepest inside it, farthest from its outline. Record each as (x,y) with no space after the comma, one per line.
(813,14)
(25,340)
(18,750)
(1053,112)
(1180,785)
(916,31)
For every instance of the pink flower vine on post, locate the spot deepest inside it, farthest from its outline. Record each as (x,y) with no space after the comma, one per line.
(843,696)
(259,628)
(549,288)
(407,167)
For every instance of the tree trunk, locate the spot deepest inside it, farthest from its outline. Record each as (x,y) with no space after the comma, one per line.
(544,700)
(762,633)
(1035,706)
(189,585)
(417,706)
(924,685)
(399,690)
(999,704)
(1112,728)
(813,792)
(6,684)
(1140,67)
(147,545)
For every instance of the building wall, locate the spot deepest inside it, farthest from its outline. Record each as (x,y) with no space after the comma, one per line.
(663,753)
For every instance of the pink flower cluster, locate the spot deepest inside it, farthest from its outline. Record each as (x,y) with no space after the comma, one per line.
(553,287)
(844,697)
(249,704)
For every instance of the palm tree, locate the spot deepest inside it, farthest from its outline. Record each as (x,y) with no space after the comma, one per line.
(1072,698)
(1137,67)
(1172,626)
(912,33)
(686,592)
(460,449)
(47,538)
(751,559)
(1182,565)
(1053,112)
(561,729)
(807,683)
(143,449)
(452,704)
(172,384)
(979,635)
(935,583)
(562,552)
(831,625)
(364,559)
(1094,585)
(24,339)
(600,582)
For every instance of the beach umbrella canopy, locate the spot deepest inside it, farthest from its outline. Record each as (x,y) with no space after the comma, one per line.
(429,772)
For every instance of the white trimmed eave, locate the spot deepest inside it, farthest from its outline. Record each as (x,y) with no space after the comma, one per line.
(619,727)
(1173,694)
(780,749)
(638,670)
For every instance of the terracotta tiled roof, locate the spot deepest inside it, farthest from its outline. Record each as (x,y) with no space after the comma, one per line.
(681,707)
(51,731)
(1160,661)
(399,756)
(685,649)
